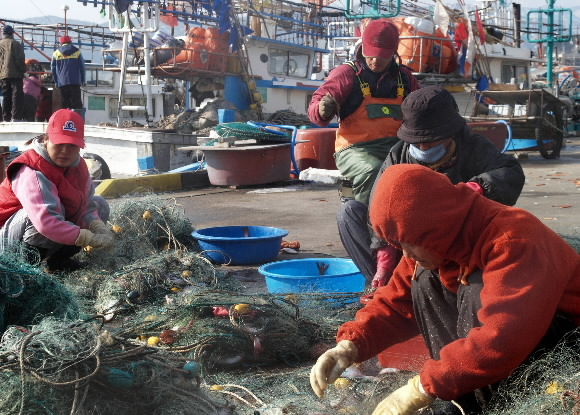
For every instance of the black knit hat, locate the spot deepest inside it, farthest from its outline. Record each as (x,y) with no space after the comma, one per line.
(8,30)
(429,114)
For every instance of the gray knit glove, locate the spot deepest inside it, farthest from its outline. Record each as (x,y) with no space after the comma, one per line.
(327,106)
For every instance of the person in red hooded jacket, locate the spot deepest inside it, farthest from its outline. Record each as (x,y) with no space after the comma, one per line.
(47,200)
(487,286)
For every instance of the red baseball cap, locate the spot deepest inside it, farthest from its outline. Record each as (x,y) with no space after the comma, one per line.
(380,39)
(65,39)
(66,127)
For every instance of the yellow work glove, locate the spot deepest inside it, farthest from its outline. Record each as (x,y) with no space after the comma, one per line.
(98,226)
(406,400)
(327,106)
(95,240)
(331,364)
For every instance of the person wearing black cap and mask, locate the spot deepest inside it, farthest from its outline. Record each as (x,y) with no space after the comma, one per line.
(435,135)
(366,95)
(68,70)
(12,70)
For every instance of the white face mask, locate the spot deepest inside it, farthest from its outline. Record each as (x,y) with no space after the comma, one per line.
(429,156)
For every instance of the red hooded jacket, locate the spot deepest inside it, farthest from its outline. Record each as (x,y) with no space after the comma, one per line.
(529,273)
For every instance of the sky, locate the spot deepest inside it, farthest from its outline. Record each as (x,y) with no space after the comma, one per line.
(22,9)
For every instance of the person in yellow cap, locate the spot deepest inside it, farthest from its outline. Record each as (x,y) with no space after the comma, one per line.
(366,96)
(47,199)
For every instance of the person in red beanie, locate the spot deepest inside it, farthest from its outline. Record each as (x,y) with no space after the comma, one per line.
(366,96)
(48,201)
(488,286)
(69,73)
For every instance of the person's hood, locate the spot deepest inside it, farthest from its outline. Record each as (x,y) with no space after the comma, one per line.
(67,49)
(416,205)
(40,148)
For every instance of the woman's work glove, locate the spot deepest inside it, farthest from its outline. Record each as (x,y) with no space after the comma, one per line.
(331,364)
(387,259)
(406,400)
(95,240)
(98,226)
(326,106)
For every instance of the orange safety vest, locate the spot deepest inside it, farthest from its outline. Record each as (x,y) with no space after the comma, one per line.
(375,118)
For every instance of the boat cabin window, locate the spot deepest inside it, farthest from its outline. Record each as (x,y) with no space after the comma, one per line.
(288,63)
(96,77)
(515,73)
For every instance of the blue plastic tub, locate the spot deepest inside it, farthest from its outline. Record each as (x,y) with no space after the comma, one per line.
(240,245)
(341,275)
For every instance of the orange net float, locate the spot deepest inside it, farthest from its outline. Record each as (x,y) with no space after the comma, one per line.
(443,58)
(413,49)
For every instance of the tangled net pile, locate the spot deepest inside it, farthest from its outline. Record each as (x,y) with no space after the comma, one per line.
(27,293)
(61,367)
(549,385)
(183,337)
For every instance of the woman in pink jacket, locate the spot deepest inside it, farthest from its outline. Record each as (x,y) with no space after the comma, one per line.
(31,87)
(47,199)
(487,286)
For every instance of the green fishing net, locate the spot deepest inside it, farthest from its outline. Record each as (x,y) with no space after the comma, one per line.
(27,293)
(244,131)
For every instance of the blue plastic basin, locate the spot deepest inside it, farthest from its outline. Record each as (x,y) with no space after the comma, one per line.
(303,275)
(240,245)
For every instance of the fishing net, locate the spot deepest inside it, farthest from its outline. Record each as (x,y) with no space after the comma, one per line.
(27,293)
(143,226)
(61,367)
(288,117)
(548,385)
(221,329)
(154,256)
(185,337)
(244,131)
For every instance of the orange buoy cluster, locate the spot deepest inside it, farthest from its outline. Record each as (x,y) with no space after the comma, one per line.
(205,48)
(421,52)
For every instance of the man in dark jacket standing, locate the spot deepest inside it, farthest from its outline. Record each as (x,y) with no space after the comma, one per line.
(68,70)
(12,70)
(434,135)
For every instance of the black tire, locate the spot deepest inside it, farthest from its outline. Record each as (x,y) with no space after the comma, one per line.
(549,131)
(105,172)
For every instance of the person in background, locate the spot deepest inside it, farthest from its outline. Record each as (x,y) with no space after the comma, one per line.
(47,199)
(366,95)
(68,71)
(44,107)
(488,286)
(31,88)
(12,70)
(435,135)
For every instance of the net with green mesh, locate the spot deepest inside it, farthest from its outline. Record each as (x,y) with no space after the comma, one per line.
(244,131)
(152,327)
